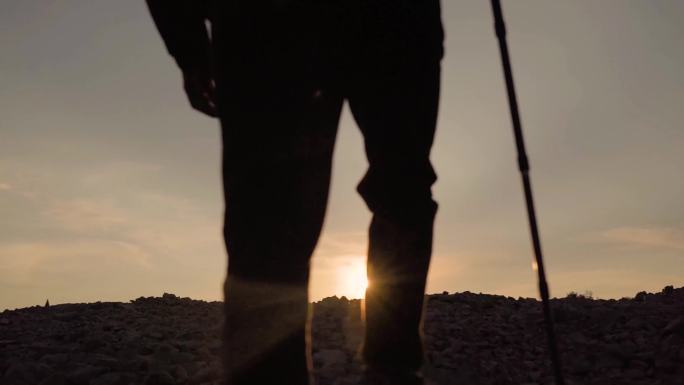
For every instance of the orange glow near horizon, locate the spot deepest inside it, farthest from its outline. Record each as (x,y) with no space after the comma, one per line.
(352,279)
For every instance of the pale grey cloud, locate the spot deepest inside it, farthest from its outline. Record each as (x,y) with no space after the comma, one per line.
(333,244)
(82,215)
(105,226)
(652,237)
(67,256)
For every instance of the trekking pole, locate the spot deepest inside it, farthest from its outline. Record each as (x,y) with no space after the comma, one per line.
(524,167)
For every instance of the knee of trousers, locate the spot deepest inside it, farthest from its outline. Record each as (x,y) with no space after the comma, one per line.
(404,195)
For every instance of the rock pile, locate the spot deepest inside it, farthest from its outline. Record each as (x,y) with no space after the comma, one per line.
(501,340)
(469,338)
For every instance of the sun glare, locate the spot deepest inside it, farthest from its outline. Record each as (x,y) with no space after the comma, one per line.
(352,279)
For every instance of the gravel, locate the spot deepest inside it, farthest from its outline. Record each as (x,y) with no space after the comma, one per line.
(469,338)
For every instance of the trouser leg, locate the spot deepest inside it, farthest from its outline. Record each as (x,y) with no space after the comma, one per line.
(277,158)
(395,106)
(278,123)
(397,190)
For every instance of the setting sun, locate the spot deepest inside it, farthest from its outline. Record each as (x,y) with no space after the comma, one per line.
(352,279)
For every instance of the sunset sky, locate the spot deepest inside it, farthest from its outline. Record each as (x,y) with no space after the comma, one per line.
(110,184)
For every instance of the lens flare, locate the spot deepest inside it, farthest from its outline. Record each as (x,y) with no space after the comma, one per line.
(352,278)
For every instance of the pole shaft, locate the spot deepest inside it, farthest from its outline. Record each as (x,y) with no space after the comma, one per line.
(523,165)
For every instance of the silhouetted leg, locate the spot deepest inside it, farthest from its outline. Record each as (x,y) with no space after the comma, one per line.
(394,99)
(277,160)
(279,128)
(397,190)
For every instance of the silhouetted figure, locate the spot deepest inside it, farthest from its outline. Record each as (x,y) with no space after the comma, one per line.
(282,69)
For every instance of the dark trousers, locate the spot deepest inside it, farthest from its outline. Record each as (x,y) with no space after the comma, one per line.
(284,69)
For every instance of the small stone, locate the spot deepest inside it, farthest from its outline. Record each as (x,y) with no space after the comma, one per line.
(674,326)
(134,364)
(180,357)
(638,364)
(156,335)
(640,296)
(83,374)
(92,344)
(160,378)
(55,359)
(145,349)
(635,323)
(192,367)
(627,349)
(608,362)
(580,366)
(634,373)
(205,374)
(664,364)
(180,373)
(104,360)
(55,379)
(114,378)
(107,379)
(19,373)
(203,353)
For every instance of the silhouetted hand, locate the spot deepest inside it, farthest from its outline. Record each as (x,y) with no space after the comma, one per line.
(201,90)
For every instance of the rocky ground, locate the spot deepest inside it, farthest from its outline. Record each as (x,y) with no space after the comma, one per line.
(470,339)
